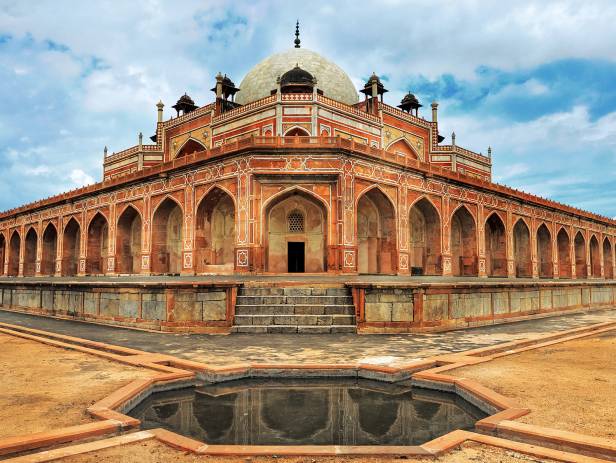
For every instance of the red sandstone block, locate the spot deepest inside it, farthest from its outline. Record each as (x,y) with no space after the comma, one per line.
(179,442)
(486,394)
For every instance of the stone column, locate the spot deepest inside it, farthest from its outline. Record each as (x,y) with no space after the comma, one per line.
(587,251)
(39,248)
(348,248)
(22,250)
(189,213)
(534,259)
(446,236)
(83,245)
(110,261)
(509,233)
(601,256)
(481,242)
(572,251)
(59,246)
(403,231)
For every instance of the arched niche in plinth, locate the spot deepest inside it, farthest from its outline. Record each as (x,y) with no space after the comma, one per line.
(608,259)
(376,233)
(71,242)
(425,239)
(167,238)
(2,253)
(544,252)
(463,243)
(98,245)
(215,232)
(496,246)
(579,247)
(49,250)
(564,254)
(595,257)
(295,233)
(128,241)
(30,245)
(522,250)
(14,250)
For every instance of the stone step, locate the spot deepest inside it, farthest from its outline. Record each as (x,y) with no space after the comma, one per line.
(297,320)
(292,291)
(294,329)
(294,300)
(297,309)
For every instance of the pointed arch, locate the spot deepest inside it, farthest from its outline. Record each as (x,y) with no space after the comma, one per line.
(215,231)
(544,252)
(98,245)
(376,232)
(563,246)
(521,249)
(608,259)
(463,243)
(14,254)
(30,244)
(2,252)
(425,238)
(579,249)
(402,147)
(71,246)
(495,246)
(190,146)
(128,241)
(595,257)
(296,131)
(167,237)
(49,249)
(288,249)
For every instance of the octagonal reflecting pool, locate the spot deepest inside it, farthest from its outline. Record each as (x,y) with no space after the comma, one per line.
(307,412)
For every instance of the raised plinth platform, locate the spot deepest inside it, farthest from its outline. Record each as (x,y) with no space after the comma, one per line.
(311,304)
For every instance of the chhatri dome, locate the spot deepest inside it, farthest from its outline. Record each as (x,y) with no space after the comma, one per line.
(330,78)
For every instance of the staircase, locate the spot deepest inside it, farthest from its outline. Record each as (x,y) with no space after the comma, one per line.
(295,309)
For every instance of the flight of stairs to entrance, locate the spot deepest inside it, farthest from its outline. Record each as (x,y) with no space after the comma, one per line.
(294,309)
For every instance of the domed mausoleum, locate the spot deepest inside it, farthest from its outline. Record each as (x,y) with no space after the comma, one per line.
(292,175)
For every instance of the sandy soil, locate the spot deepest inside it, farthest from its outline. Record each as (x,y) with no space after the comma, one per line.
(44,387)
(569,386)
(155,452)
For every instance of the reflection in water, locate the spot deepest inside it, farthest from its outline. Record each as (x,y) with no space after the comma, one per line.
(317,412)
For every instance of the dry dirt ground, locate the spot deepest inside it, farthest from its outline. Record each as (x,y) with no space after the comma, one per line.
(154,452)
(44,387)
(569,386)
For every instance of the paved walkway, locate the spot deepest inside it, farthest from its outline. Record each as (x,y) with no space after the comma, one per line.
(330,348)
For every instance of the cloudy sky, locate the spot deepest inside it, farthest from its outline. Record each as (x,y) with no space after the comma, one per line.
(536,80)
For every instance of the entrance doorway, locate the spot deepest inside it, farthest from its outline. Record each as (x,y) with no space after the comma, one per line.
(295,251)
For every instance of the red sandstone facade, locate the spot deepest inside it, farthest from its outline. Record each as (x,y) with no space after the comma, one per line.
(300,182)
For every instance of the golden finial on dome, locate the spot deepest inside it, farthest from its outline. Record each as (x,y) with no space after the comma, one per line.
(297,41)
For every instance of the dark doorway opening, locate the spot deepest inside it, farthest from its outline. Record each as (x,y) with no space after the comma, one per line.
(295,252)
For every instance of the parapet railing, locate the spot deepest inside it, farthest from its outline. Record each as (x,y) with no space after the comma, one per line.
(309,143)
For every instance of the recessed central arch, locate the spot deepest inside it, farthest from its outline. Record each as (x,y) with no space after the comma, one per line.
(564,254)
(463,243)
(30,245)
(167,237)
(49,250)
(608,259)
(215,232)
(295,233)
(496,246)
(521,249)
(376,233)
(98,245)
(14,251)
(297,132)
(128,241)
(71,245)
(579,245)
(544,252)
(402,147)
(595,258)
(425,239)
(191,146)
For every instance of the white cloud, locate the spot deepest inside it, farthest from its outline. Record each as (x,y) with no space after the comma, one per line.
(80,178)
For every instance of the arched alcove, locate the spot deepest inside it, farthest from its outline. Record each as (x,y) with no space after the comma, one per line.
(297,132)
(403,148)
(544,252)
(98,245)
(376,233)
(190,147)
(496,246)
(521,250)
(30,245)
(296,234)
(49,250)
(608,259)
(595,258)
(579,245)
(215,232)
(167,237)
(14,250)
(463,243)
(128,241)
(2,253)
(71,243)
(425,239)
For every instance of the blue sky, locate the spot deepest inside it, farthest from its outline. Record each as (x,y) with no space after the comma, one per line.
(536,80)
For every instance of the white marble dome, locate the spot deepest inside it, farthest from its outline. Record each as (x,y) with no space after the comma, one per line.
(331,79)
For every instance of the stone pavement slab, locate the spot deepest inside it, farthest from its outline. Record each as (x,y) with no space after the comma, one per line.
(329,348)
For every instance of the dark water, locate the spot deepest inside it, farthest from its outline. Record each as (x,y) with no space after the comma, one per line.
(315,412)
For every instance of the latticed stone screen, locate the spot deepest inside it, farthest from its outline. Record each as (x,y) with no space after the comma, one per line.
(296,222)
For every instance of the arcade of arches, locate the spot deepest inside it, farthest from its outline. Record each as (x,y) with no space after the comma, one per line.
(296,236)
